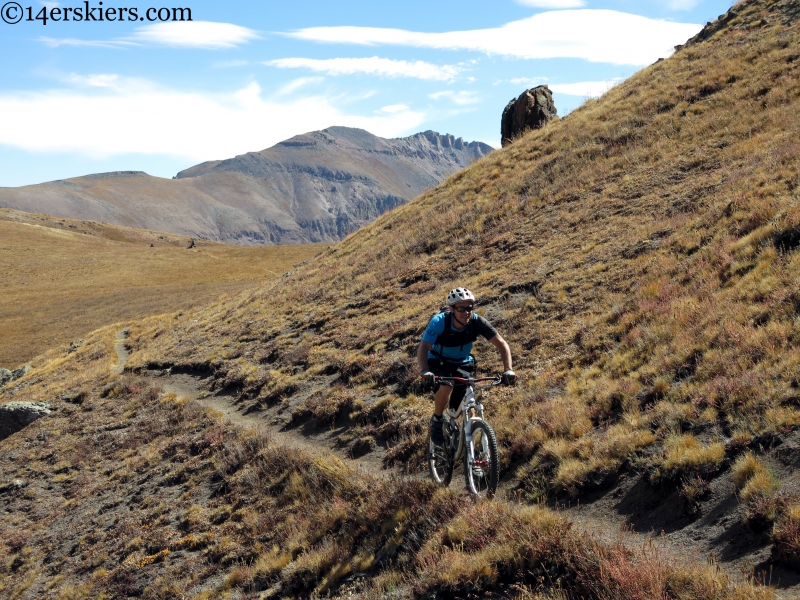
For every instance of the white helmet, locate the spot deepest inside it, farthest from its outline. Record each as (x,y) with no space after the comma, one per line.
(459,295)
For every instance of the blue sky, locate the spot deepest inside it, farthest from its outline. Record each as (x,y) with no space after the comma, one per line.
(79,97)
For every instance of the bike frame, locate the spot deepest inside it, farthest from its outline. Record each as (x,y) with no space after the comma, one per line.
(470,409)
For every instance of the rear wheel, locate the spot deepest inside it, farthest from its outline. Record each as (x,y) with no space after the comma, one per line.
(481,468)
(440,463)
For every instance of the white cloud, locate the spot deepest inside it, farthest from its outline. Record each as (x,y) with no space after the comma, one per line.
(195,34)
(153,120)
(371,66)
(56,42)
(552,3)
(682,4)
(395,108)
(184,34)
(461,98)
(590,89)
(94,80)
(528,82)
(594,35)
(230,64)
(298,83)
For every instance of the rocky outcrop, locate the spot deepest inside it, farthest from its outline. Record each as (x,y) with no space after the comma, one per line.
(532,110)
(6,375)
(747,16)
(15,416)
(315,187)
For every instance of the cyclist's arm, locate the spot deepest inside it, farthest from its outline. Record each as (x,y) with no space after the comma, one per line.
(422,355)
(505,352)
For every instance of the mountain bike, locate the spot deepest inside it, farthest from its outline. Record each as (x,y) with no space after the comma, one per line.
(469,438)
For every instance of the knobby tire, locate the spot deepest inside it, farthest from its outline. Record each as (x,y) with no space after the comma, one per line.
(440,464)
(482,480)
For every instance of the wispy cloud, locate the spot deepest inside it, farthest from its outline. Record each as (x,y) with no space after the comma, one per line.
(382,67)
(101,80)
(230,64)
(552,3)
(298,83)
(180,34)
(528,81)
(195,34)
(150,119)
(395,108)
(461,98)
(594,35)
(586,89)
(56,42)
(682,4)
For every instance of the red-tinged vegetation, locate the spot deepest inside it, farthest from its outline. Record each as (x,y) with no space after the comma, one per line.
(138,493)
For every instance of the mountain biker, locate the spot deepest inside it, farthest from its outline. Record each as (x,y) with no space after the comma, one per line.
(446,351)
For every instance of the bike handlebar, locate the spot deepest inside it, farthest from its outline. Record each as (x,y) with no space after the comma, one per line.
(497,379)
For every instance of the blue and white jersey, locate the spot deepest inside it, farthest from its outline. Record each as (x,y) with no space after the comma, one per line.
(462,338)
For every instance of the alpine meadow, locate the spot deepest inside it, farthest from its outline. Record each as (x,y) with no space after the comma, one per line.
(640,256)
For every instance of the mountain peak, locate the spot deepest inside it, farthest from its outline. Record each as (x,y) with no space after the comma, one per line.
(316,186)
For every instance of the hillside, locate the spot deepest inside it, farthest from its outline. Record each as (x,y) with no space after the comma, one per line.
(62,278)
(315,187)
(639,255)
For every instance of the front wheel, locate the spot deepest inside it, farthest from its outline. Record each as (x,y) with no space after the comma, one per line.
(481,468)
(440,463)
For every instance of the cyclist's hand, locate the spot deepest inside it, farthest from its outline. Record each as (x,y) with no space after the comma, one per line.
(508,377)
(427,377)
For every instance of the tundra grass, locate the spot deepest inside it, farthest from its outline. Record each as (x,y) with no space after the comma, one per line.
(133,492)
(62,278)
(641,258)
(639,255)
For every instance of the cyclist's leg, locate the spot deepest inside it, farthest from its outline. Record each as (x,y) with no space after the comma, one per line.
(442,391)
(441,398)
(441,394)
(459,390)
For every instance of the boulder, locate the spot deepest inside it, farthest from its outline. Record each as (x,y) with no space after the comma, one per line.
(5,375)
(532,110)
(18,415)
(17,373)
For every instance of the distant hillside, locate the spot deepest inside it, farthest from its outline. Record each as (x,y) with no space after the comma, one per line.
(62,278)
(642,258)
(315,187)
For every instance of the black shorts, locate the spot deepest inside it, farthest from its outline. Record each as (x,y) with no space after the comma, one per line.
(445,369)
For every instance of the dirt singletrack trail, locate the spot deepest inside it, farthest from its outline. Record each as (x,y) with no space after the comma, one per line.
(122,351)
(192,386)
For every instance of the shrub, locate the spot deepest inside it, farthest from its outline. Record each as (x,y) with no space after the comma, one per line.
(685,454)
(744,468)
(757,488)
(786,536)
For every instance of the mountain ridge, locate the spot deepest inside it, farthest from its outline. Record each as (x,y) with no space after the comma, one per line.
(319,186)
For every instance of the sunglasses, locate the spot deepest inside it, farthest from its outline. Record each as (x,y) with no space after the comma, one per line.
(463,309)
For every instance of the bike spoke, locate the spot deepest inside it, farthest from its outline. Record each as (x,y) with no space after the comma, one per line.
(480,461)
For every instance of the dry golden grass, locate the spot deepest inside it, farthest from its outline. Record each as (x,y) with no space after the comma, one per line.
(64,278)
(639,255)
(786,535)
(641,258)
(169,500)
(745,468)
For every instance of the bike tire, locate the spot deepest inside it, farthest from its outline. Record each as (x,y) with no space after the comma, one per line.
(440,463)
(482,477)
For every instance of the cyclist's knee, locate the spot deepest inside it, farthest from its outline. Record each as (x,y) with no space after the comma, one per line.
(443,393)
